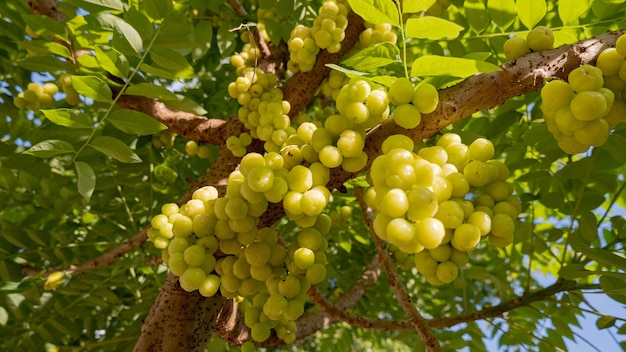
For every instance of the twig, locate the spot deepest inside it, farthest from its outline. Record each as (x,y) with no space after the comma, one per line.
(415,318)
(238,8)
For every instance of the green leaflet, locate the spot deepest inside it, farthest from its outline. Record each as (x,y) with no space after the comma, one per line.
(571,10)
(50,148)
(430,27)
(92,87)
(530,12)
(376,11)
(417,5)
(435,65)
(113,62)
(86,179)
(115,148)
(373,57)
(134,122)
(150,91)
(502,12)
(68,117)
(157,9)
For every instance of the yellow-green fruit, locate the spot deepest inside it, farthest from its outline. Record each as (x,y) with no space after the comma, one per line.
(595,133)
(426,98)
(401,91)
(555,95)
(620,45)
(589,105)
(515,47)
(50,88)
(407,116)
(540,38)
(585,77)
(609,61)
(616,114)
(570,145)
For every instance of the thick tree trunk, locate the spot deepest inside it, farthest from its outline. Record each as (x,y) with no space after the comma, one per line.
(179,320)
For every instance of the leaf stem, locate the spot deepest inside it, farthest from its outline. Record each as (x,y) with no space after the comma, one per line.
(119,94)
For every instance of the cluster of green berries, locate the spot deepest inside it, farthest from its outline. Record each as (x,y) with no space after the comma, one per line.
(538,39)
(581,112)
(36,96)
(438,202)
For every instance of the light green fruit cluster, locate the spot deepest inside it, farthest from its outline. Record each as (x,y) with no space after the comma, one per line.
(71,95)
(340,215)
(302,49)
(262,16)
(245,59)
(186,236)
(450,194)
(378,33)
(333,84)
(411,102)
(252,263)
(581,112)
(203,151)
(329,26)
(263,110)
(36,96)
(338,140)
(237,144)
(538,39)
(163,139)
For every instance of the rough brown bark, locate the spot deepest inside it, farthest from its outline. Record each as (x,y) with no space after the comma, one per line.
(179,320)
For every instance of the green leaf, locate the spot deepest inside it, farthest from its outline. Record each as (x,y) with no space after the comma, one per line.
(226,40)
(135,122)
(186,104)
(44,64)
(376,11)
(157,9)
(530,12)
(125,36)
(116,5)
(71,118)
(170,60)
(435,65)
(203,34)
(113,62)
(92,87)
(4,316)
(45,26)
(140,22)
(430,27)
(571,10)
(50,148)
(86,179)
(150,91)
(373,57)
(603,257)
(502,12)
(115,148)
(605,322)
(414,6)
(588,226)
(476,15)
(46,47)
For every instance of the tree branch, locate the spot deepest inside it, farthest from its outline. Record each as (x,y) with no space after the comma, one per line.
(188,125)
(179,320)
(487,90)
(397,286)
(46,8)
